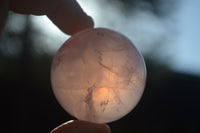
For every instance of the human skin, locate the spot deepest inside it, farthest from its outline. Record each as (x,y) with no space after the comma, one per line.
(66,14)
(70,18)
(81,127)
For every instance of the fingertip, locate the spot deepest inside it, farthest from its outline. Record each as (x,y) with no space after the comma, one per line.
(69,17)
(78,126)
(86,22)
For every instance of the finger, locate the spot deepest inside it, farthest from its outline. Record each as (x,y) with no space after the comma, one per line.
(69,17)
(35,7)
(66,14)
(3,13)
(78,126)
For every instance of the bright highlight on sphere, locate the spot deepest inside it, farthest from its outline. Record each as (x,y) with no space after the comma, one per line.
(98,75)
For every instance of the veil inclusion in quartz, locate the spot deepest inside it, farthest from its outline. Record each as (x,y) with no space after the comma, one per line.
(98,75)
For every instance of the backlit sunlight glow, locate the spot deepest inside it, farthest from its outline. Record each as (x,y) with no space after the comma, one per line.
(142,27)
(52,37)
(135,26)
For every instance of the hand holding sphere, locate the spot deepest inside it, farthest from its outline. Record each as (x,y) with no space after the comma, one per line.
(66,21)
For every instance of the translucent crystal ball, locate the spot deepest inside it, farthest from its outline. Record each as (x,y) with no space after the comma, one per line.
(98,75)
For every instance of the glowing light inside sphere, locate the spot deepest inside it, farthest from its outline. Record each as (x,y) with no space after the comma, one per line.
(98,75)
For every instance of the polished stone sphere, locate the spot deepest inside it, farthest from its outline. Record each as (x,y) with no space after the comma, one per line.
(98,75)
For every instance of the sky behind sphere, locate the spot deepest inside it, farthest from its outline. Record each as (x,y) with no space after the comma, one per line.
(187,44)
(184,48)
(144,29)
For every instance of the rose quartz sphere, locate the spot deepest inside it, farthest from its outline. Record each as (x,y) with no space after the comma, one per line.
(98,75)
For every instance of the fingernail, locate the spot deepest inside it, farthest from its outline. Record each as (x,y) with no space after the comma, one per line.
(60,126)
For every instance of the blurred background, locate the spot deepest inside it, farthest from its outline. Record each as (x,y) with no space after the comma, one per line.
(167,32)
